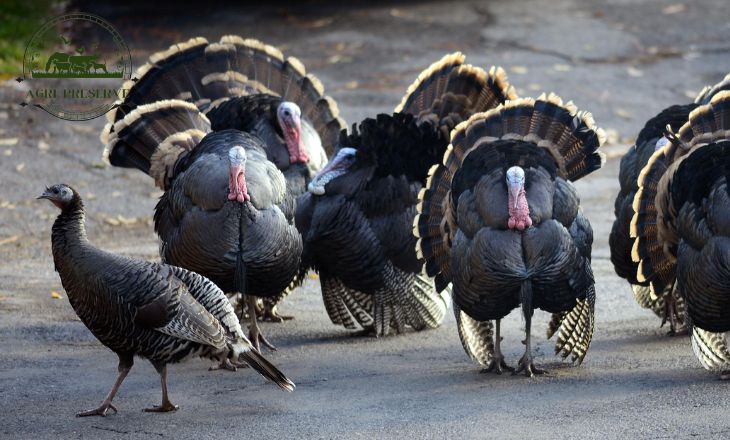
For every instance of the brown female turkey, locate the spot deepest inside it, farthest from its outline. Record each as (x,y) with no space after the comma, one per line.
(692,205)
(666,304)
(137,308)
(357,218)
(500,220)
(244,85)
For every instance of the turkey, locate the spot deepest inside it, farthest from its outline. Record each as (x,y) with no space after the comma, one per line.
(501,220)
(356,219)
(137,308)
(692,205)
(244,85)
(226,212)
(667,305)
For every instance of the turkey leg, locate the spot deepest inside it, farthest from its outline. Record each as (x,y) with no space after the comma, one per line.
(254,334)
(497,364)
(525,364)
(124,366)
(166,405)
(269,313)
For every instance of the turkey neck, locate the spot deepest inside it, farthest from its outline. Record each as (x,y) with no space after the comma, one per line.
(68,234)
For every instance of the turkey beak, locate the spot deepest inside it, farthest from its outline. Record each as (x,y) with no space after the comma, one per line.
(46,195)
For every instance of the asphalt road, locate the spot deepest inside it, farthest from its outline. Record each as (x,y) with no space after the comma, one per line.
(624,60)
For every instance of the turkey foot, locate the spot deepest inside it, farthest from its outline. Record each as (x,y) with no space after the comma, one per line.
(254,334)
(497,365)
(166,406)
(100,411)
(269,313)
(525,365)
(226,364)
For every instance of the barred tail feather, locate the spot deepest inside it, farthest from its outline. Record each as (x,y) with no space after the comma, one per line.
(576,329)
(477,337)
(711,350)
(267,369)
(153,136)
(206,74)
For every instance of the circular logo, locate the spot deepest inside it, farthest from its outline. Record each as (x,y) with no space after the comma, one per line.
(76,66)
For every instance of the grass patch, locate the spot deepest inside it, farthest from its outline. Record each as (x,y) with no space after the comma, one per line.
(20,19)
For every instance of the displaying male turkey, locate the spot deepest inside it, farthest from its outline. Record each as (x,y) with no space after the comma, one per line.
(244,85)
(666,304)
(137,308)
(225,212)
(501,220)
(693,224)
(357,218)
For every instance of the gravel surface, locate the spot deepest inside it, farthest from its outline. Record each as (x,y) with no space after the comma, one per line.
(624,60)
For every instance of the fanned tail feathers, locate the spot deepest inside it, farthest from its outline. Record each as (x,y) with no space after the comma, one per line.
(575,329)
(206,74)
(153,136)
(706,95)
(569,135)
(711,350)
(477,337)
(652,225)
(452,91)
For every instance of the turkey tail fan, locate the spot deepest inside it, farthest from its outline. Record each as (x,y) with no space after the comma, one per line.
(706,95)
(346,307)
(153,136)
(266,369)
(575,330)
(708,123)
(477,337)
(288,78)
(452,90)
(421,306)
(642,295)
(711,350)
(207,74)
(568,135)
(655,266)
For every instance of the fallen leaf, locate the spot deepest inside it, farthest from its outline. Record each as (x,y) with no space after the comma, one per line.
(11,239)
(520,70)
(633,71)
(8,152)
(351,85)
(621,113)
(674,9)
(43,146)
(562,67)
(55,295)
(83,129)
(20,167)
(112,221)
(8,141)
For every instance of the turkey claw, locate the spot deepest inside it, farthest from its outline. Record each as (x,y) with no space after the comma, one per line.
(528,368)
(256,338)
(100,411)
(497,366)
(165,407)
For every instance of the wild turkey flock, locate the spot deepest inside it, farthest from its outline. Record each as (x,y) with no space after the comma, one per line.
(462,197)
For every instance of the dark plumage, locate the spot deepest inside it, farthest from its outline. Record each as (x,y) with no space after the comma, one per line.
(263,102)
(152,310)
(620,240)
(500,220)
(698,216)
(357,218)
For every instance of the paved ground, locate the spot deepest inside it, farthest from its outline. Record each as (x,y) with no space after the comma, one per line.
(623,59)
